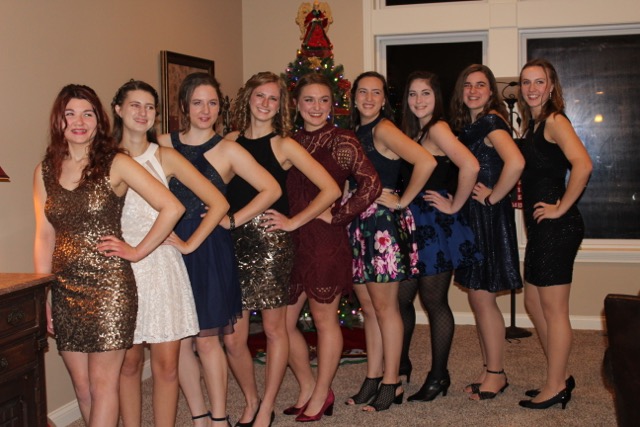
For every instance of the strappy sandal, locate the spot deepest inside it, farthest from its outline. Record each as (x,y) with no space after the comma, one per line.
(487,395)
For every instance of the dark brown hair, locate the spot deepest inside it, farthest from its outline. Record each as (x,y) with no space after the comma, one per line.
(118,99)
(410,123)
(387,112)
(188,85)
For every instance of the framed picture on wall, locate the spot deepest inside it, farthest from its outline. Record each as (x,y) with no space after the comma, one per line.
(174,67)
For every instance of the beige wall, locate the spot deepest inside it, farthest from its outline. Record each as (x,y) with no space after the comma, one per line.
(47,44)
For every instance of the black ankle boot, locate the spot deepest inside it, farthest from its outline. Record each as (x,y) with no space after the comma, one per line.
(431,388)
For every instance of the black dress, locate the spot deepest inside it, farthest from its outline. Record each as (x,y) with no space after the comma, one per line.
(552,244)
(494,225)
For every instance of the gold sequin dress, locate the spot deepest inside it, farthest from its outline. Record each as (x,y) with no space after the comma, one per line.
(94,302)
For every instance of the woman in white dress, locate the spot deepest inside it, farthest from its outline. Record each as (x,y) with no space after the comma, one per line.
(166,309)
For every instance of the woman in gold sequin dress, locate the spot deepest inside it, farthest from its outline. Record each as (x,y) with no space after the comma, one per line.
(79,193)
(264,247)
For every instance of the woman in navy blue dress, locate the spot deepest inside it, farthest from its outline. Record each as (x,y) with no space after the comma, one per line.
(445,240)
(554,224)
(478,116)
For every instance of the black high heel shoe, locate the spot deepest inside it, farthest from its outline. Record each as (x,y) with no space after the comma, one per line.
(386,397)
(431,388)
(367,391)
(486,395)
(253,420)
(570,383)
(405,370)
(563,397)
(474,388)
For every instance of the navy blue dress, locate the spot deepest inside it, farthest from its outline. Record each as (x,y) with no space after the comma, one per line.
(494,226)
(552,244)
(212,267)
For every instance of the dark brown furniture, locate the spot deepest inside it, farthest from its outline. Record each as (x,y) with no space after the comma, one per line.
(23,341)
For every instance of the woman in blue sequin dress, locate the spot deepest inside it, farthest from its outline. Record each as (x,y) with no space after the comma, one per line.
(478,116)
(212,266)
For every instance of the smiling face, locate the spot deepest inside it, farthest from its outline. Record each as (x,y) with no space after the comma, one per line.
(81,122)
(204,107)
(138,111)
(477,92)
(369,98)
(314,105)
(265,101)
(421,100)
(535,87)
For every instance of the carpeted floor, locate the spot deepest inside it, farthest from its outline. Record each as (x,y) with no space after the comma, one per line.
(592,403)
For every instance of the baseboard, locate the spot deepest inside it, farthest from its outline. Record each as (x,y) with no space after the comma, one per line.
(70,413)
(522,320)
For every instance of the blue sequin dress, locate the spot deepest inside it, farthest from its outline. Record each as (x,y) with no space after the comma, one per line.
(212,267)
(494,225)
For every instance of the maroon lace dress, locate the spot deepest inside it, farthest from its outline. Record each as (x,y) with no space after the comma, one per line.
(322,263)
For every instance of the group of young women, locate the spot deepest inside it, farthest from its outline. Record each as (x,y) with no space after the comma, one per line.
(172,240)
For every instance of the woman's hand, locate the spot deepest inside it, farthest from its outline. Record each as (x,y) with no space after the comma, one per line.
(50,329)
(273,220)
(543,210)
(438,201)
(389,199)
(481,192)
(112,246)
(178,243)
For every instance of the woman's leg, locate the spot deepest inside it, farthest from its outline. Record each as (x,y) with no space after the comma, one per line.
(275,329)
(164,369)
(131,385)
(373,336)
(555,306)
(189,375)
(78,366)
(299,353)
(406,296)
(241,364)
(329,350)
(434,294)
(534,308)
(214,364)
(490,324)
(104,377)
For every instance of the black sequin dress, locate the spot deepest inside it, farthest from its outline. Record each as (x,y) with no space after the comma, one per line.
(494,226)
(94,300)
(265,258)
(212,267)
(552,245)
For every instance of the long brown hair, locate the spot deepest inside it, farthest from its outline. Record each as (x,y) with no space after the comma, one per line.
(555,103)
(102,148)
(460,115)
(242,114)
(410,123)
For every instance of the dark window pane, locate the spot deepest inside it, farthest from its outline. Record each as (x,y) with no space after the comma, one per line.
(599,76)
(403,2)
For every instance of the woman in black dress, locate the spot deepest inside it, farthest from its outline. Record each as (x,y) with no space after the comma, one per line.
(554,224)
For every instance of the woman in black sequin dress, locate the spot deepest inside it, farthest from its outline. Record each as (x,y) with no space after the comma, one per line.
(79,192)
(478,116)
(554,224)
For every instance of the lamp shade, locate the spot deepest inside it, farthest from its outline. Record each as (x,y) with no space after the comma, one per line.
(3,175)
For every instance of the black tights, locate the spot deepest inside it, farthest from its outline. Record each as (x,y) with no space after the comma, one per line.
(434,291)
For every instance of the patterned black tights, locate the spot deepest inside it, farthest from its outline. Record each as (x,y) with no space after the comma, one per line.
(433,291)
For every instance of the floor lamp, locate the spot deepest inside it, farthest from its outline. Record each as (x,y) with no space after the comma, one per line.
(509,97)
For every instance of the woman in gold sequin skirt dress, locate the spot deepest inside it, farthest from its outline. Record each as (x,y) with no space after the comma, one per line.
(79,192)
(263,246)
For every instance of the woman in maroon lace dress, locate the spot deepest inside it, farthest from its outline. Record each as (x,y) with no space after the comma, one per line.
(322,265)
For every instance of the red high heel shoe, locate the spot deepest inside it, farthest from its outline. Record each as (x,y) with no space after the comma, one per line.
(327,409)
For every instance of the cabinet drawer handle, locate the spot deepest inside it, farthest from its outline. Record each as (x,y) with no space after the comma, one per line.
(15,317)
(4,363)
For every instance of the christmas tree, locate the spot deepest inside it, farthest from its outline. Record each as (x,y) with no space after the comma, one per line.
(316,55)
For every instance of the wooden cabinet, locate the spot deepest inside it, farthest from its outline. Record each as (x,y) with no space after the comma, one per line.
(23,341)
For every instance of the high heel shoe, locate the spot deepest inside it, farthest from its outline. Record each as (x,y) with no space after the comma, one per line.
(221,419)
(327,409)
(253,420)
(570,384)
(293,410)
(563,397)
(386,397)
(474,388)
(431,388)
(405,370)
(486,395)
(367,391)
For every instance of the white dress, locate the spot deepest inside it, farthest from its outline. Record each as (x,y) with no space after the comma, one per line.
(166,309)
